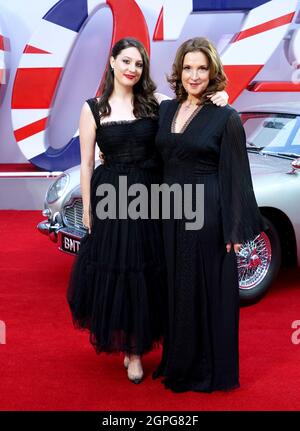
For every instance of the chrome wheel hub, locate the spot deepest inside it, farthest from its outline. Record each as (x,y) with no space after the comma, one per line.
(253,261)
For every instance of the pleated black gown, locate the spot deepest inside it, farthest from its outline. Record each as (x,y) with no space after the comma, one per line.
(117,284)
(201,346)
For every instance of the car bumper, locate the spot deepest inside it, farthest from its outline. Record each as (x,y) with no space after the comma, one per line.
(68,239)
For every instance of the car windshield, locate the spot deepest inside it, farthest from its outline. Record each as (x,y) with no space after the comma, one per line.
(273,133)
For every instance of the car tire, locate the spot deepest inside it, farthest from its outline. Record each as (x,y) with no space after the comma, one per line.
(268,249)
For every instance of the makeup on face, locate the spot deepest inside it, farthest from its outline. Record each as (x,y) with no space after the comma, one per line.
(128,66)
(195,73)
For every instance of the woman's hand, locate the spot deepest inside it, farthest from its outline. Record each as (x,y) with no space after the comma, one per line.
(160,97)
(86,220)
(236,247)
(220,98)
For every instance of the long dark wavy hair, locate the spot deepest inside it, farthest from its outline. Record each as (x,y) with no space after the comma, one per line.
(217,77)
(144,101)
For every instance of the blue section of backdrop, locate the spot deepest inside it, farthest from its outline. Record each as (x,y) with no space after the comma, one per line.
(223,5)
(68,13)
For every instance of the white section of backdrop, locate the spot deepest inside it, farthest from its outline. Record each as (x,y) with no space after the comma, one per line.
(20,18)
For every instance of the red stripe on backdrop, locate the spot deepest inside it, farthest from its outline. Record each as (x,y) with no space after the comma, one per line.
(239,78)
(29,49)
(127,14)
(30,90)
(159,28)
(2,43)
(269,25)
(30,129)
(274,86)
(18,167)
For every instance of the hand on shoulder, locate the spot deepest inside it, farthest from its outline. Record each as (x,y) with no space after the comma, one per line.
(220,98)
(161,97)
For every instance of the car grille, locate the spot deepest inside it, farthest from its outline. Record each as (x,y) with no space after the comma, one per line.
(73,214)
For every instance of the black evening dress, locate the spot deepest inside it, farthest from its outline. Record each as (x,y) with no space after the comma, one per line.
(201,345)
(117,284)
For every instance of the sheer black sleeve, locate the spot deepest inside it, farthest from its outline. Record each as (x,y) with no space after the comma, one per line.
(241,217)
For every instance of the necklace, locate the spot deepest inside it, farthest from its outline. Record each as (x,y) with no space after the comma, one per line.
(188,119)
(189,105)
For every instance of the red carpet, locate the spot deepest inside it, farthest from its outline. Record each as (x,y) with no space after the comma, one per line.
(48,365)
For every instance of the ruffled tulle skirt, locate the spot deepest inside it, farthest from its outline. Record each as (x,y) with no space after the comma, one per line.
(117,287)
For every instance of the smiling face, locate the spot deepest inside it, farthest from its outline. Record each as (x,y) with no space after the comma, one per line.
(195,73)
(127,66)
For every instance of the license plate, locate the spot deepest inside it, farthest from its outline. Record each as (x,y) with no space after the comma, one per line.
(69,244)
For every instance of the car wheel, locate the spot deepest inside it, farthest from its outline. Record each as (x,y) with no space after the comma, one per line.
(258,264)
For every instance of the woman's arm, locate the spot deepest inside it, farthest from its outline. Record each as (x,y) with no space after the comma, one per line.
(241,217)
(220,98)
(87,135)
(160,97)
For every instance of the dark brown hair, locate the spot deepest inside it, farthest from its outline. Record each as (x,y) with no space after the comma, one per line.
(144,103)
(217,77)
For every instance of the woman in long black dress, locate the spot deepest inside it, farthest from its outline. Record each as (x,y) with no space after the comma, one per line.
(201,143)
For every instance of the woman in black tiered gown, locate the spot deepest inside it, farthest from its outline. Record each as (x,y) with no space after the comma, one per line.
(118,280)
(204,144)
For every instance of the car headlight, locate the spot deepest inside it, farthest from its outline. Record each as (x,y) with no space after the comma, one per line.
(57,189)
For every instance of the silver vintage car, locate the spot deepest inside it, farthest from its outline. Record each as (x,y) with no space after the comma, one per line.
(273,141)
